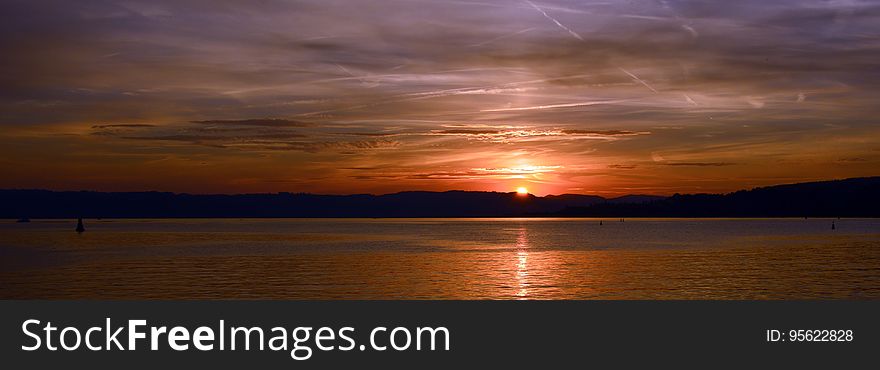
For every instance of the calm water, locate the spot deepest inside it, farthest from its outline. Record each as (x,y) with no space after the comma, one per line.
(442,258)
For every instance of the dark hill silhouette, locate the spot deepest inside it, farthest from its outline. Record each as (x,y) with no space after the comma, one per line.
(856,197)
(72,204)
(843,198)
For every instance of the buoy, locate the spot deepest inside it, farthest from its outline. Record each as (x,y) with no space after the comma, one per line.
(600,223)
(832,225)
(79,225)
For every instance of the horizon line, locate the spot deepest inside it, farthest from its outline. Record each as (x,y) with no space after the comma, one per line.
(514,192)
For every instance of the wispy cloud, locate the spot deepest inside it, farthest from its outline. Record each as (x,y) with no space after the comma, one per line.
(555,106)
(530,134)
(624,96)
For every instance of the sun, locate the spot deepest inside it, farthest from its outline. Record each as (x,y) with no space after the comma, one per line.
(522,190)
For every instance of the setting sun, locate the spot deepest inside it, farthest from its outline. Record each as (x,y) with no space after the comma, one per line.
(522,191)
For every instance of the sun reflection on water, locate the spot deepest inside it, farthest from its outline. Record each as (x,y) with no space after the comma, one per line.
(522,265)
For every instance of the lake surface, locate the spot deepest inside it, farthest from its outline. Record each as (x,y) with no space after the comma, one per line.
(441,259)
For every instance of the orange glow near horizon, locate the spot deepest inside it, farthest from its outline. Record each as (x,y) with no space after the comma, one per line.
(522,191)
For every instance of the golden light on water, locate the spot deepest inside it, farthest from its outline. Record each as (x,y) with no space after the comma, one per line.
(509,259)
(522,261)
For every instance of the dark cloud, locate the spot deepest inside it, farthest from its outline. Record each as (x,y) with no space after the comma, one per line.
(622,166)
(342,147)
(185,138)
(266,122)
(375,134)
(700,164)
(853,159)
(122,125)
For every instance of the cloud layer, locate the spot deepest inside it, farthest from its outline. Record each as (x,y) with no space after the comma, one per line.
(343,96)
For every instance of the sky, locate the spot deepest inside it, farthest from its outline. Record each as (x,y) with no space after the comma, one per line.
(338,97)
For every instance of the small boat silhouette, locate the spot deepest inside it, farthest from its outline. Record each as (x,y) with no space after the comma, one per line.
(79,225)
(23,220)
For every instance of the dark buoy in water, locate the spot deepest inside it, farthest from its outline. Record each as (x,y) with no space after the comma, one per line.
(832,225)
(600,222)
(79,225)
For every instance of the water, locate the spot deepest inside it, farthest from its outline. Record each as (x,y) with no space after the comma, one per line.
(441,259)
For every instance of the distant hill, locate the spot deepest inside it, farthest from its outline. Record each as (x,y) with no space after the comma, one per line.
(843,198)
(70,204)
(857,197)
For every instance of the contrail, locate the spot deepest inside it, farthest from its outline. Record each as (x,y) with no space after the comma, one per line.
(503,37)
(684,26)
(555,21)
(637,79)
(552,106)
(359,78)
(346,71)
